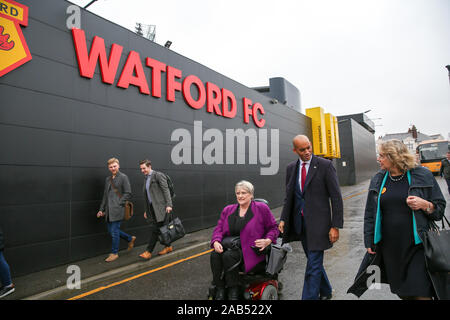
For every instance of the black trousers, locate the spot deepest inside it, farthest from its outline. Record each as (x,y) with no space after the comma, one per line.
(154,229)
(221,262)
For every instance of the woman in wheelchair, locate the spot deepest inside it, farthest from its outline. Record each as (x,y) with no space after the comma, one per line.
(242,228)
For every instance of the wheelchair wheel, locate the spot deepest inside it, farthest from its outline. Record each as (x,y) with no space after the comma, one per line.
(269,293)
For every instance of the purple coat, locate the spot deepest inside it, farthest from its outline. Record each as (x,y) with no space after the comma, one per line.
(261,226)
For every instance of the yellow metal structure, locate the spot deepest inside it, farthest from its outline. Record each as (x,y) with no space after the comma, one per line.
(336,137)
(331,136)
(325,133)
(318,128)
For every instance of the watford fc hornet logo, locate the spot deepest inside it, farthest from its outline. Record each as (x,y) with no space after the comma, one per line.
(4,44)
(14,51)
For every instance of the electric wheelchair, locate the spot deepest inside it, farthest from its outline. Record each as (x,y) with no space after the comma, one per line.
(264,285)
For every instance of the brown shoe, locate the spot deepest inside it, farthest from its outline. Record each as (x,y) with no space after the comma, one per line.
(165,250)
(112,257)
(131,243)
(145,255)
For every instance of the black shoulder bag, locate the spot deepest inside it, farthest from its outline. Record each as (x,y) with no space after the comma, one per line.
(436,244)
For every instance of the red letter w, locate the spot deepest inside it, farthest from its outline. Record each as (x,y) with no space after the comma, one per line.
(87,64)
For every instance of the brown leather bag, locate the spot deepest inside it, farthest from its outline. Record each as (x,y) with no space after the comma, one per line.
(128,204)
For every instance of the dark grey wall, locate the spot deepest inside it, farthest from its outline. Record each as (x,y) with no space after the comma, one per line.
(358,152)
(58,130)
(366,164)
(284,91)
(345,166)
(362,119)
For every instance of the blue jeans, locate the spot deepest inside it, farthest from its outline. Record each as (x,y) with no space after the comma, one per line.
(5,275)
(116,234)
(316,282)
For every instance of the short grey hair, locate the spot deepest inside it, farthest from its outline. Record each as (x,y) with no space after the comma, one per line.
(245,185)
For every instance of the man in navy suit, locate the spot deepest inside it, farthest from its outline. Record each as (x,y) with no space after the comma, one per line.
(312,213)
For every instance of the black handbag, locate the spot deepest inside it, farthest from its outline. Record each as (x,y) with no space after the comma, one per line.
(171,231)
(231,242)
(436,245)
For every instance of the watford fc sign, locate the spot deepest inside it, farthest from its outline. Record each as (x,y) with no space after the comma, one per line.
(14,51)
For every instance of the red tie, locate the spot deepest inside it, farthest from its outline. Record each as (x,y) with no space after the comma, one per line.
(303,175)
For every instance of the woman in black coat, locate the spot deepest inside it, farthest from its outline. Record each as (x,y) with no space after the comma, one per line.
(403,199)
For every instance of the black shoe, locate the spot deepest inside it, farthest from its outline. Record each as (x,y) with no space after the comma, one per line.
(328,297)
(220,293)
(233,293)
(7,290)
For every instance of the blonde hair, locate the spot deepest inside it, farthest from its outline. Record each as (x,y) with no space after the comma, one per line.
(398,154)
(245,185)
(112,160)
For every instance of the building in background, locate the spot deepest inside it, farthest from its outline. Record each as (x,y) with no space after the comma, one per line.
(411,138)
(358,149)
(283,92)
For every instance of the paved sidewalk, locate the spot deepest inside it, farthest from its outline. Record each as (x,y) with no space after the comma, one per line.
(51,284)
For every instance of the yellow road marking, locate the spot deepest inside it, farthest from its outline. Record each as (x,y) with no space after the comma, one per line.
(163,267)
(356,194)
(138,276)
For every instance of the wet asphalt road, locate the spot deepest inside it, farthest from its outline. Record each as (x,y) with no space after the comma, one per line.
(190,280)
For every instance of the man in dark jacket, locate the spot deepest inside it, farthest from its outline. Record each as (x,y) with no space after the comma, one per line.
(312,213)
(7,287)
(117,191)
(158,205)
(445,170)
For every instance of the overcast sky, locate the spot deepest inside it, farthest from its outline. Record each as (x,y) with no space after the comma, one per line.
(347,56)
